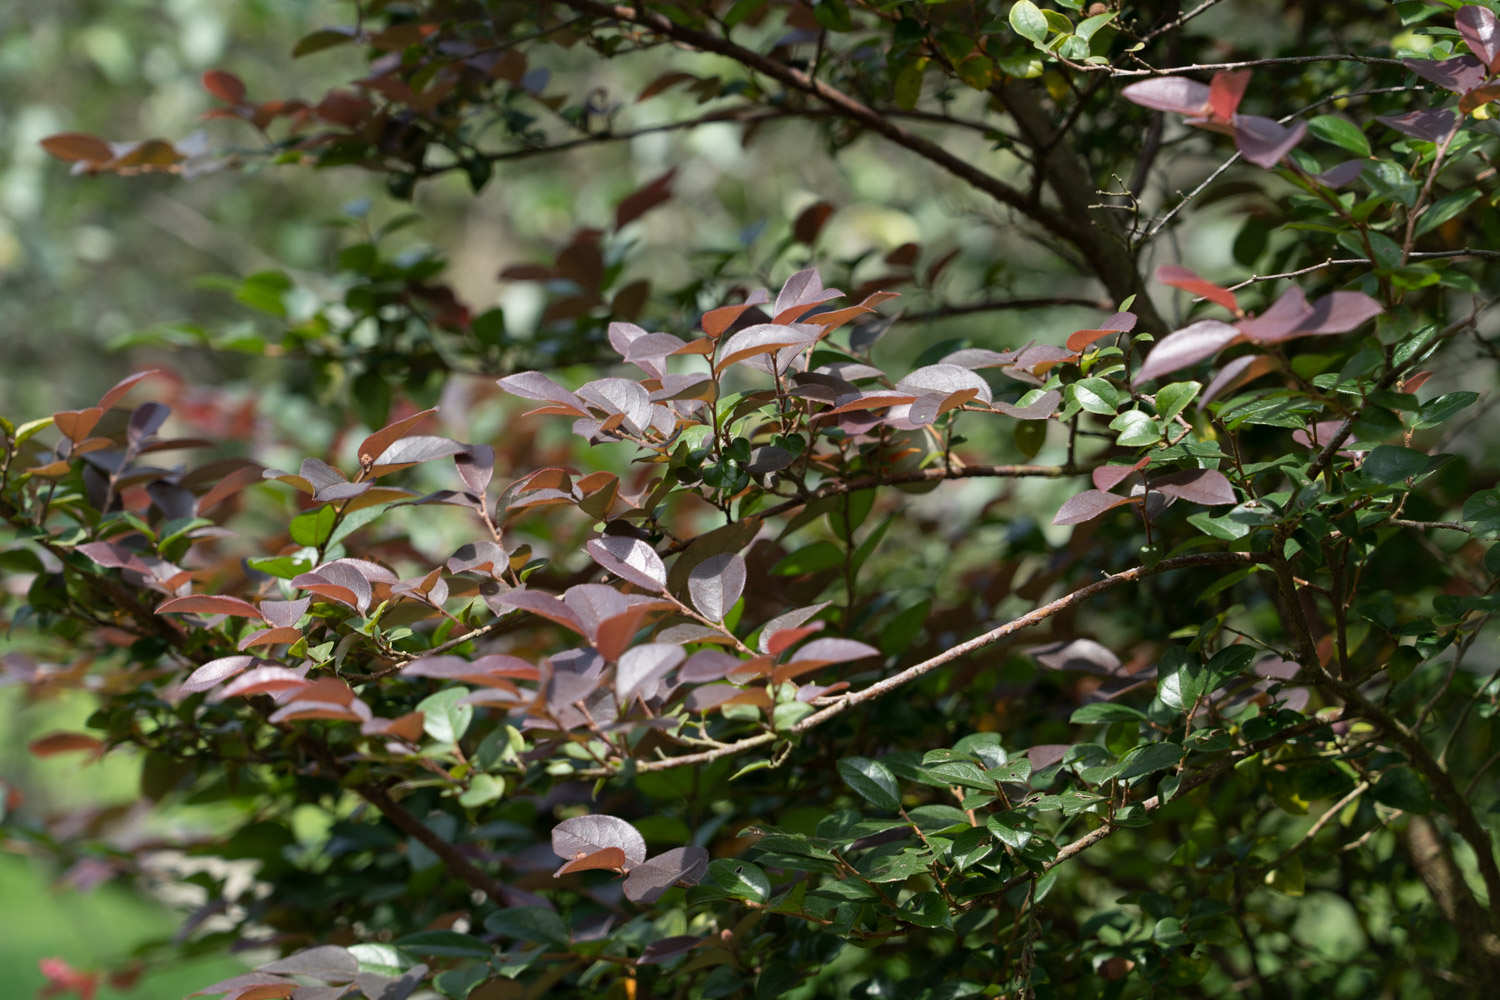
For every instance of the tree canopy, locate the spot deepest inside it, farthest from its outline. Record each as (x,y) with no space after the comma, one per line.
(960,499)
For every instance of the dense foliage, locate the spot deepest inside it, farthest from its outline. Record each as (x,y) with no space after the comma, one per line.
(824,656)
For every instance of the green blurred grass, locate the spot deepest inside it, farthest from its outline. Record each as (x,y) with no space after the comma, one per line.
(90,930)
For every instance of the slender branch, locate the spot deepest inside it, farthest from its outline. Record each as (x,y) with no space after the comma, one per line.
(849,106)
(1033,617)
(1178,21)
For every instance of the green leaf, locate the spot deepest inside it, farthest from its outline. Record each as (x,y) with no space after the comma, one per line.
(738,879)
(313,527)
(1171,399)
(812,558)
(1028,21)
(483,789)
(1402,788)
(872,780)
(1391,464)
(1137,429)
(529,923)
(1445,208)
(1181,679)
(1150,758)
(443,718)
(1443,408)
(444,944)
(1106,711)
(1341,132)
(1096,396)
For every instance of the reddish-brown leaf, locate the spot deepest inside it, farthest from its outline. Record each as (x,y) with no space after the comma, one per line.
(56,743)
(641,201)
(204,604)
(610,859)
(225,86)
(76,147)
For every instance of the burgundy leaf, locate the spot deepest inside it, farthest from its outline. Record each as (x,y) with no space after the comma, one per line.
(376,443)
(476,465)
(716,583)
(764,338)
(1169,93)
(1236,373)
(646,882)
(583,835)
(203,604)
(1460,74)
(1264,141)
(262,680)
(411,450)
(1187,346)
(947,380)
(1432,124)
(978,357)
(824,651)
(1189,281)
(323,962)
(1040,408)
(707,665)
(1083,655)
(215,672)
(145,421)
(1203,486)
(630,559)
(1107,477)
(641,201)
(123,386)
(547,605)
(1343,173)
(801,292)
(668,948)
(787,620)
(1340,312)
(1225,91)
(1086,506)
(1481,29)
(1280,322)
(640,667)
(622,396)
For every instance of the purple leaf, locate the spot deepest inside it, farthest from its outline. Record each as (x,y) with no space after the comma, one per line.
(641,666)
(1279,322)
(805,288)
(1264,141)
(946,380)
(1460,74)
(1342,173)
(1235,372)
(716,583)
(323,962)
(1169,93)
(822,651)
(1340,312)
(1086,506)
(535,385)
(978,357)
(546,605)
(284,614)
(584,835)
(1203,486)
(1432,124)
(1082,655)
(476,465)
(422,448)
(764,338)
(668,948)
(622,396)
(707,665)
(1481,30)
(145,421)
(1038,409)
(1107,477)
(215,672)
(646,882)
(630,559)
(1187,346)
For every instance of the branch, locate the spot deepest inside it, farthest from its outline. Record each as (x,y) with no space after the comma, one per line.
(1034,617)
(845,104)
(451,856)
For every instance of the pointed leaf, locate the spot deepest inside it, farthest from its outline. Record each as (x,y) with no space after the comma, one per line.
(872,780)
(1169,93)
(1086,506)
(1188,281)
(1187,346)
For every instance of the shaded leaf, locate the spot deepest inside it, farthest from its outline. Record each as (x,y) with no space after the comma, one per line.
(647,881)
(872,780)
